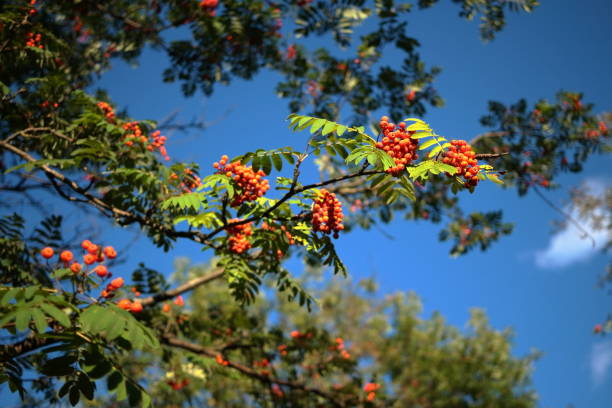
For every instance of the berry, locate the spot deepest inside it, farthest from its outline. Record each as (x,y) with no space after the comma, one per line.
(295,334)
(597,329)
(116,283)
(101,271)
(179,301)
(76,267)
(371,387)
(47,252)
(399,144)
(93,249)
(238,237)
(107,109)
(327,214)
(251,184)
(166,308)
(462,157)
(136,307)
(66,256)
(86,244)
(109,251)
(89,259)
(125,304)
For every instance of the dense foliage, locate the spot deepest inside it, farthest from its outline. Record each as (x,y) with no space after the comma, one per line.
(71,324)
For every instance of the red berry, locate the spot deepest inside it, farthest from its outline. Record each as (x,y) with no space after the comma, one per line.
(89,259)
(66,256)
(101,271)
(116,283)
(136,307)
(125,304)
(76,267)
(47,252)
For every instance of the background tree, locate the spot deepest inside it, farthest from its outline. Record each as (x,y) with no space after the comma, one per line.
(64,327)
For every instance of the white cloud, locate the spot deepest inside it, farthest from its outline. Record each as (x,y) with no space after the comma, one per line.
(601,361)
(569,245)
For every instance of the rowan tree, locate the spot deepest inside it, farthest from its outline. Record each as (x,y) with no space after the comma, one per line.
(78,326)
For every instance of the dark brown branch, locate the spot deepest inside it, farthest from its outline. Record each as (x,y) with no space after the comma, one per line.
(194,348)
(186,287)
(484,156)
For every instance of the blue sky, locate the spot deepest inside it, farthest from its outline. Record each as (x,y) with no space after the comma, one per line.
(563,45)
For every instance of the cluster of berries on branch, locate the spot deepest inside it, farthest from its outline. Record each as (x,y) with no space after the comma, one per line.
(252,184)
(189,180)
(341,348)
(34,40)
(327,214)
(108,110)
(238,240)
(209,6)
(114,285)
(370,389)
(135,135)
(32,10)
(462,157)
(397,143)
(127,304)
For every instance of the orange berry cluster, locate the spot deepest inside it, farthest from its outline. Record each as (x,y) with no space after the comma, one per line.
(189,180)
(46,104)
(135,135)
(108,110)
(461,155)
(112,287)
(32,10)
(282,349)
(327,214)
(268,227)
(398,144)
(210,6)
(340,348)
(277,391)
(177,385)
(221,361)
(127,304)
(33,40)
(371,388)
(159,143)
(239,237)
(252,184)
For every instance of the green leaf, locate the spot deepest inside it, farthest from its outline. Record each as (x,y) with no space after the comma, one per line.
(317,125)
(74,395)
(328,128)
(428,143)
(277,161)
(86,386)
(9,295)
(40,321)
(23,318)
(494,178)
(56,313)
(340,130)
(59,366)
(435,151)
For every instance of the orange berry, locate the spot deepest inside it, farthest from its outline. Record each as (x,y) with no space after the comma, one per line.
(76,267)
(125,304)
(136,307)
(166,308)
(89,259)
(101,271)
(86,244)
(66,256)
(179,301)
(47,252)
(116,283)
(110,252)
(93,249)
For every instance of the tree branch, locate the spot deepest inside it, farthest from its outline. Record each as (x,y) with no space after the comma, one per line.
(185,287)
(197,349)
